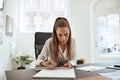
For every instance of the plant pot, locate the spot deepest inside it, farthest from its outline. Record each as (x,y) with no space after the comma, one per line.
(21,67)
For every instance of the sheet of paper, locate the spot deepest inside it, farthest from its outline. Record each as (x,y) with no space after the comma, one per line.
(91,68)
(55,73)
(113,75)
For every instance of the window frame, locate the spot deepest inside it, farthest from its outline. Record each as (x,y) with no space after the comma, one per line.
(23,12)
(104,13)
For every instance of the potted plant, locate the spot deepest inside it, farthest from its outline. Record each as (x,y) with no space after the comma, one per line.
(22,60)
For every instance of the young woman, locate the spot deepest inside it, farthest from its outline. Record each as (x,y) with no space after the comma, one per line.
(60,49)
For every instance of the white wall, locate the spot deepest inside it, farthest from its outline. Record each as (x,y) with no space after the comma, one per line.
(108,4)
(11,10)
(4,58)
(26,43)
(80,22)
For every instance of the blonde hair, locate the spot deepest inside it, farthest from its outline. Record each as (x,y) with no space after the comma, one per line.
(61,22)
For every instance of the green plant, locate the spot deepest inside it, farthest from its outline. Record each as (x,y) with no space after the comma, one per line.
(23,60)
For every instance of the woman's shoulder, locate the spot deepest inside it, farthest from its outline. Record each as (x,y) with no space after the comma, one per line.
(48,40)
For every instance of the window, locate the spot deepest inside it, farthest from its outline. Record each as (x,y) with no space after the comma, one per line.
(39,15)
(108,27)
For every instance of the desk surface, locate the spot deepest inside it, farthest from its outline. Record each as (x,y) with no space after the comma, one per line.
(80,74)
(96,77)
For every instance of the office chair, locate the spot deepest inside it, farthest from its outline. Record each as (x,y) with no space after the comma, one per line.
(40,38)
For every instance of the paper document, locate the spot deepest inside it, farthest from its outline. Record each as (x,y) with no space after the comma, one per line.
(112,75)
(91,68)
(61,73)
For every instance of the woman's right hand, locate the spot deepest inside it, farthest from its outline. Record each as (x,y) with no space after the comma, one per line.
(52,64)
(49,64)
(44,63)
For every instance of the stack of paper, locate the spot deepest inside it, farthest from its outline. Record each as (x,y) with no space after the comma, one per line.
(55,74)
(112,75)
(91,68)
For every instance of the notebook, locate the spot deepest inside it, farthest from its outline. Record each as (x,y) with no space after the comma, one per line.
(55,74)
(39,68)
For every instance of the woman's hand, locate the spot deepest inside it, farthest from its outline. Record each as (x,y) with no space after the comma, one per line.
(67,65)
(52,64)
(49,64)
(45,63)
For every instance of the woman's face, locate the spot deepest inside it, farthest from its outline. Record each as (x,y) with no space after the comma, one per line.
(63,35)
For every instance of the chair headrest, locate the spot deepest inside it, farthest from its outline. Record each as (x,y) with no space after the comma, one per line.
(41,37)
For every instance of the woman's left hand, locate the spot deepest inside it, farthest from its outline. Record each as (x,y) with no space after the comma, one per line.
(67,65)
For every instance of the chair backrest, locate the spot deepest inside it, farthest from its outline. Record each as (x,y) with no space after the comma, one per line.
(40,38)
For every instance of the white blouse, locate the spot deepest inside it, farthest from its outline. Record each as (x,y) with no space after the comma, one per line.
(62,58)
